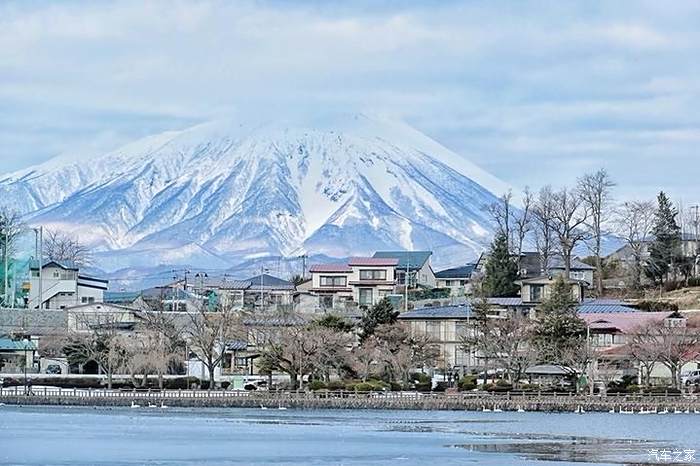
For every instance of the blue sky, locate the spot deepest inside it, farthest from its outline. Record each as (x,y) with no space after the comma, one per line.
(535,92)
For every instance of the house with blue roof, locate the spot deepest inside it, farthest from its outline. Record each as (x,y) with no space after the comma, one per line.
(445,326)
(456,279)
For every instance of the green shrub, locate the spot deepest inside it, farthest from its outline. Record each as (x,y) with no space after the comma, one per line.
(364,387)
(316,385)
(380,385)
(336,385)
(441,386)
(468,382)
(529,387)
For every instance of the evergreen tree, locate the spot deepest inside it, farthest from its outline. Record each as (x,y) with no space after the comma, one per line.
(335,322)
(501,270)
(381,313)
(559,335)
(665,247)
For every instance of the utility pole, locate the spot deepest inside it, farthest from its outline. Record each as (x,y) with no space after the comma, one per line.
(696,224)
(5,299)
(39,255)
(303,258)
(406,282)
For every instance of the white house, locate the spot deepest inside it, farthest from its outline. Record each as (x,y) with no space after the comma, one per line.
(363,280)
(62,285)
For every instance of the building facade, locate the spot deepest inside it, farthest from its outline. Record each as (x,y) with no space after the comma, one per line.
(61,285)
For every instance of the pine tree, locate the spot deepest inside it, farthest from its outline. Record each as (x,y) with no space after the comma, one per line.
(381,313)
(559,334)
(501,270)
(665,247)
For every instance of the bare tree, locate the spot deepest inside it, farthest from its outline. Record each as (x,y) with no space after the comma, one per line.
(569,216)
(643,349)
(595,190)
(543,226)
(366,357)
(97,337)
(209,332)
(291,349)
(504,341)
(11,226)
(671,342)
(633,222)
(500,212)
(402,351)
(60,246)
(522,221)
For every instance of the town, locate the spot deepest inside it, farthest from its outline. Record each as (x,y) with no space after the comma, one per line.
(517,319)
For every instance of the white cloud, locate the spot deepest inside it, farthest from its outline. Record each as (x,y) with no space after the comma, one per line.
(575,83)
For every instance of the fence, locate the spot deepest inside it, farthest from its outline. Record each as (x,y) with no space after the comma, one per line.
(478,401)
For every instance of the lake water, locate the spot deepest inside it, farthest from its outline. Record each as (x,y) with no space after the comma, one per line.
(154,436)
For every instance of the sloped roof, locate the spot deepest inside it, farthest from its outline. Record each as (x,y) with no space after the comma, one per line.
(457,272)
(505,301)
(623,321)
(269,282)
(33,321)
(444,312)
(603,309)
(412,259)
(120,297)
(8,344)
(330,268)
(373,261)
(65,265)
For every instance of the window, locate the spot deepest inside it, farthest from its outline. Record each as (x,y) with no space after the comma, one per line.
(461,357)
(83,299)
(462,330)
(372,274)
(434,331)
(35,273)
(332,281)
(365,296)
(536,292)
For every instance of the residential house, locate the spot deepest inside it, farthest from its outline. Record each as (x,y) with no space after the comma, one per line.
(17,352)
(363,280)
(61,285)
(457,279)
(534,291)
(261,291)
(531,266)
(690,248)
(445,326)
(414,264)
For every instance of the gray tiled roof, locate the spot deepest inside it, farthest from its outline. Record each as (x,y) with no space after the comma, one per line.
(445,312)
(505,301)
(34,321)
(269,282)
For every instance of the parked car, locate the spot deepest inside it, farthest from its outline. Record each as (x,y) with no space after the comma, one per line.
(53,369)
(691,378)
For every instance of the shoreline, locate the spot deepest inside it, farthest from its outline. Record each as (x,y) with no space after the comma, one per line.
(362,401)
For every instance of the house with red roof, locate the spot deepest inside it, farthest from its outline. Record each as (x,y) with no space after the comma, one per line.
(362,280)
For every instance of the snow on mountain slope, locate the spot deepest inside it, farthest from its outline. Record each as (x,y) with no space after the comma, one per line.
(225,192)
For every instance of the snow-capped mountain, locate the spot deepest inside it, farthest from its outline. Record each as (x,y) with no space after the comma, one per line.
(219,194)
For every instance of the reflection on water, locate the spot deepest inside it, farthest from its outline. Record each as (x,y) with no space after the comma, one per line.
(34,436)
